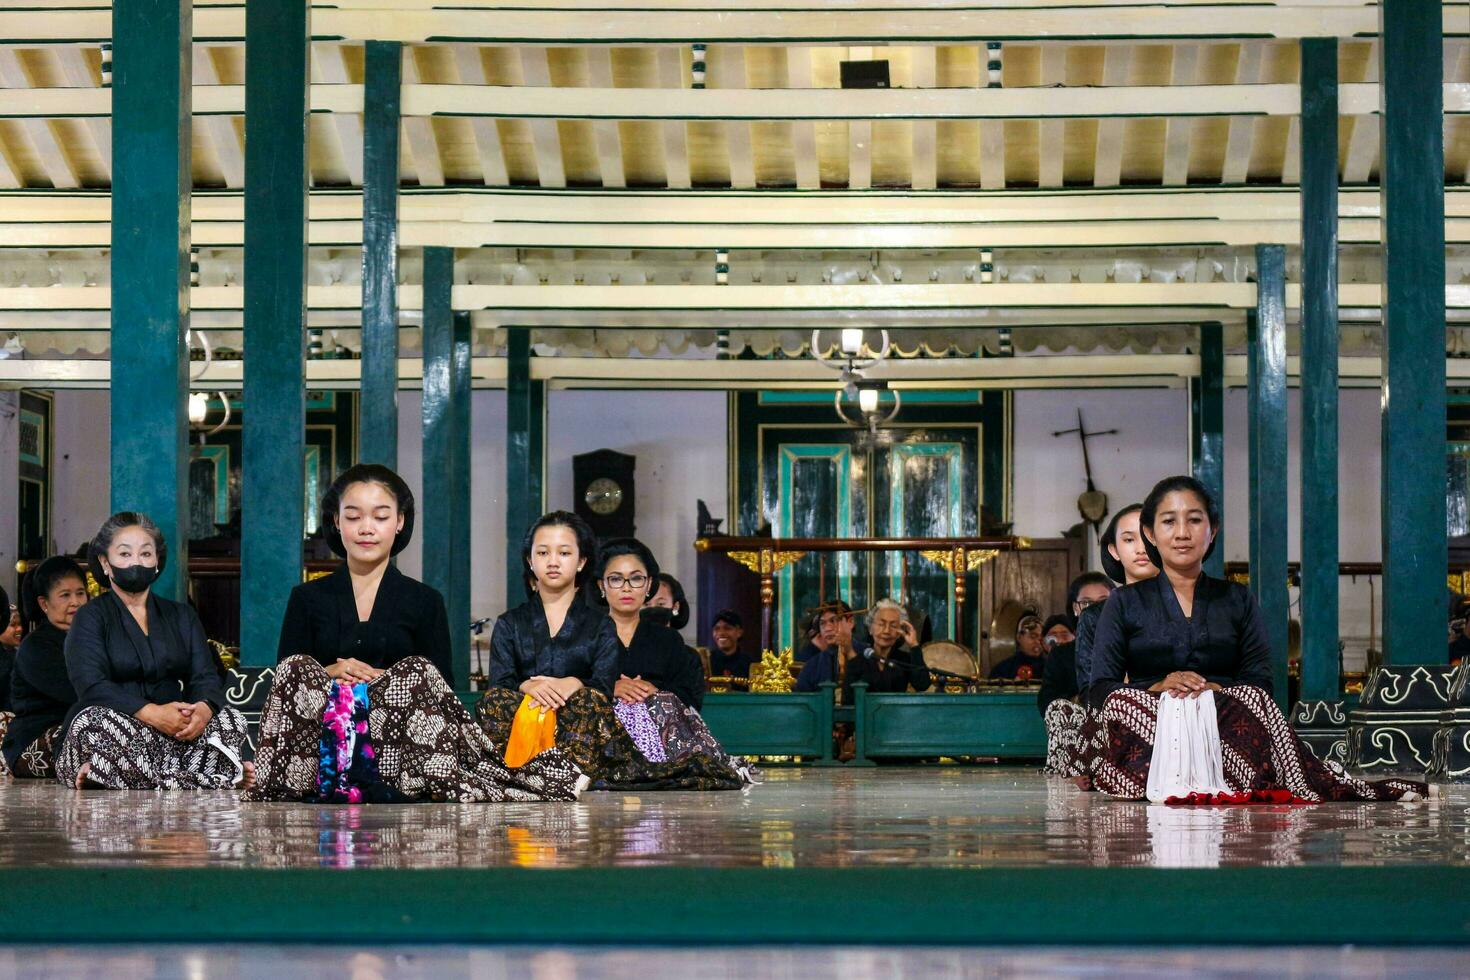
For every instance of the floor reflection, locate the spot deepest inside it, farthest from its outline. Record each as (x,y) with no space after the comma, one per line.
(910,816)
(824,963)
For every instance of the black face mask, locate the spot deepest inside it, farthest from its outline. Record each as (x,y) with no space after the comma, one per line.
(133,579)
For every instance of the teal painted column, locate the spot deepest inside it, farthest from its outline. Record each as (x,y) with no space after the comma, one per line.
(273,436)
(525,456)
(1209,437)
(1415,553)
(1268,459)
(151,185)
(1319,383)
(378,415)
(1252,448)
(446,490)
(461,393)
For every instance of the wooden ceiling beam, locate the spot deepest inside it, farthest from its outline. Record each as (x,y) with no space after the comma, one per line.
(331,65)
(755,22)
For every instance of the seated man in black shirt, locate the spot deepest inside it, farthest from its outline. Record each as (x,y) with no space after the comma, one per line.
(1027,662)
(816,642)
(726,659)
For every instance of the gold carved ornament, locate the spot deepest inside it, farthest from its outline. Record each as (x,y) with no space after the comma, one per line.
(773,674)
(949,560)
(766,562)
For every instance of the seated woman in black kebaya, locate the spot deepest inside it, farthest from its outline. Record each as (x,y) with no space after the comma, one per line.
(363,708)
(150,711)
(1183,633)
(660,687)
(554,666)
(41,692)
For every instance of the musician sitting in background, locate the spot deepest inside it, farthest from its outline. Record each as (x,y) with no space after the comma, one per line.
(1060,640)
(726,659)
(835,663)
(1027,663)
(815,641)
(1459,646)
(893,663)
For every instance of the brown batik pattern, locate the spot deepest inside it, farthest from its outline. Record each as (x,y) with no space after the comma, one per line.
(588,730)
(427,745)
(1075,740)
(125,753)
(683,733)
(1258,748)
(38,760)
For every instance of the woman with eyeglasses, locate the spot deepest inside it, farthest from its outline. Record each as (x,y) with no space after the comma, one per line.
(660,686)
(555,669)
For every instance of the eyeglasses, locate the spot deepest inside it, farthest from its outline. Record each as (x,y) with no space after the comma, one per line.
(1084,603)
(635,581)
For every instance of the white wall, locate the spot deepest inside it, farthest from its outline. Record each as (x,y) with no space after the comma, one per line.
(679,438)
(81,483)
(1152,442)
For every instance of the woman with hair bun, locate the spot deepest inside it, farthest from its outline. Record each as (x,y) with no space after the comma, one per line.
(51,595)
(150,711)
(363,707)
(555,667)
(1185,635)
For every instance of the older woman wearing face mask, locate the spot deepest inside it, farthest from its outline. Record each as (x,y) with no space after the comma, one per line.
(150,710)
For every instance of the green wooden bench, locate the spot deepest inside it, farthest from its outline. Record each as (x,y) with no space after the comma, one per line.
(1004,724)
(773,724)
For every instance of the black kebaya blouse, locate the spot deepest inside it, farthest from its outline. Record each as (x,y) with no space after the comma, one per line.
(113,664)
(586,647)
(40,692)
(1143,635)
(408,619)
(659,656)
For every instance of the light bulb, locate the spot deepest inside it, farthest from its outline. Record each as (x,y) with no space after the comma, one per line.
(852,341)
(868,400)
(198,407)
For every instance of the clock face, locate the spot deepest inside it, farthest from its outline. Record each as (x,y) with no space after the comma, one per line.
(604,496)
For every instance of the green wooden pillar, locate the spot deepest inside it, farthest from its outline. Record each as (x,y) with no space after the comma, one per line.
(1252,447)
(1415,553)
(461,413)
(378,419)
(525,456)
(151,184)
(1209,426)
(446,490)
(1319,384)
(277,52)
(1268,459)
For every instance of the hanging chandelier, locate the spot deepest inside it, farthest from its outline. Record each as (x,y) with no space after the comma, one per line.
(851,359)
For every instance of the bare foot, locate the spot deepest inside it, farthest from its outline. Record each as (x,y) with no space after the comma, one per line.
(248,779)
(82,775)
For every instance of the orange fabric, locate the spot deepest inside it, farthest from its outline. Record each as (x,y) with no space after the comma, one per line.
(532,732)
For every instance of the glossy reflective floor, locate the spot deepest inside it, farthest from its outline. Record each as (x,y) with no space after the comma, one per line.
(838,963)
(911,817)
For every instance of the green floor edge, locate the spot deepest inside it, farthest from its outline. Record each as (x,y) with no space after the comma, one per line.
(701,906)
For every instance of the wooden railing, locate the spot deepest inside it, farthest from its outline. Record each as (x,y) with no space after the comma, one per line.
(767,556)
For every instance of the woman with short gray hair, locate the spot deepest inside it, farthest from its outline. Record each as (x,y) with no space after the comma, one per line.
(150,710)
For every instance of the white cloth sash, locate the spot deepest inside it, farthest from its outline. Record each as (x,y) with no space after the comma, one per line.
(1186,756)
